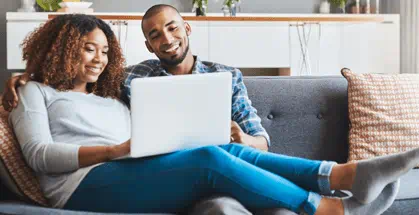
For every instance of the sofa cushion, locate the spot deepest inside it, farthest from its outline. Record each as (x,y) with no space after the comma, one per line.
(383,114)
(23,208)
(403,207)
(214,205)
(23,183)
(409,186)
(304,116)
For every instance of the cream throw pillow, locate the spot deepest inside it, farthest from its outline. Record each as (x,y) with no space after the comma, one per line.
(383,114)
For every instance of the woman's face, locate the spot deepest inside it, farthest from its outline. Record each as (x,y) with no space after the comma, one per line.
(94,57)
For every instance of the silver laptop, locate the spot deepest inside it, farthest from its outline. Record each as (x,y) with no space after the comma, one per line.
(172,113)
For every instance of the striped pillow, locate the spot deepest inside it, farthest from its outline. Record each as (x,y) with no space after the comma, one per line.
(24,183)
(383,114)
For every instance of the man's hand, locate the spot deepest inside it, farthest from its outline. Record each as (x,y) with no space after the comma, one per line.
(238,136)
(10,98)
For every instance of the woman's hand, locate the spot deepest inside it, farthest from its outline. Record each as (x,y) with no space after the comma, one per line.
(120,150)
(10,98)
(91,155)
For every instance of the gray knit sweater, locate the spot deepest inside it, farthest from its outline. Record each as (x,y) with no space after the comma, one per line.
(51,126)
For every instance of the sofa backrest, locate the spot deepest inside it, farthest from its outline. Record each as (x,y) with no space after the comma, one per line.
(304,116)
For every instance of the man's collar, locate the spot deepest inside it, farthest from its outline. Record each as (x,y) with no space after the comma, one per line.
(198,67)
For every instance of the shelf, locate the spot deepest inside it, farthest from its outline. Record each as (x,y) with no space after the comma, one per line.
(253,17)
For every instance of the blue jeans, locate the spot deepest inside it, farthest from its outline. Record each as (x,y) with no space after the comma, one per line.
(172,182)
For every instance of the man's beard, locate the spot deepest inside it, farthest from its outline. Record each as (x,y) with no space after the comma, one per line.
(176,61)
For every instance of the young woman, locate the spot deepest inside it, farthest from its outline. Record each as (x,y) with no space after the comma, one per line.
(71,126)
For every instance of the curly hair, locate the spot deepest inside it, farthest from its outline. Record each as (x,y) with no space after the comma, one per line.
(53,52)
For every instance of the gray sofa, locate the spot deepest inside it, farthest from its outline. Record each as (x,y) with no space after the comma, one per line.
(305,117)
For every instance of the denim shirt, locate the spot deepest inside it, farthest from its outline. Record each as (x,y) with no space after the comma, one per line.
(242,110)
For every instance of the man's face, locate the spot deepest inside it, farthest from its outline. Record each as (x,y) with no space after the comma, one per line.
(167,36)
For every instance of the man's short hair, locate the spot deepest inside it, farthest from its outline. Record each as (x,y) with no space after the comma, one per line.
(155,10)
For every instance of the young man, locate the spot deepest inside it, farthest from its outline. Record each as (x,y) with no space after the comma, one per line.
(167,36)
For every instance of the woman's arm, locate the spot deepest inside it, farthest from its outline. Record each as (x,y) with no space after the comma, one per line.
(90,155)
(31,125)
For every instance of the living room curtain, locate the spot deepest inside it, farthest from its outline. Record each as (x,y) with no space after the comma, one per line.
(409,38)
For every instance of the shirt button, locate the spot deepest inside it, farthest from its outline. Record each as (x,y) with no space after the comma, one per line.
(319,116)
(270,116)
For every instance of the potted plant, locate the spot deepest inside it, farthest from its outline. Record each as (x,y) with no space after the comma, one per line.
(200,7)
(27,6)
(232,6)
(340,4)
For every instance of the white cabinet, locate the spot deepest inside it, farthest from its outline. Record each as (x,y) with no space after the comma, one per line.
(307,48)
(315,48)
(16,33)
(326,48)
(198,40)
(131,40)
(128,33)
(249,44)
(304,40)
(133,44)
(371,47)
(330,50)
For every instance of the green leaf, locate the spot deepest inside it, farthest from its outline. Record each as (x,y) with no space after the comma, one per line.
(338,3)
(49,5)
(200,3)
